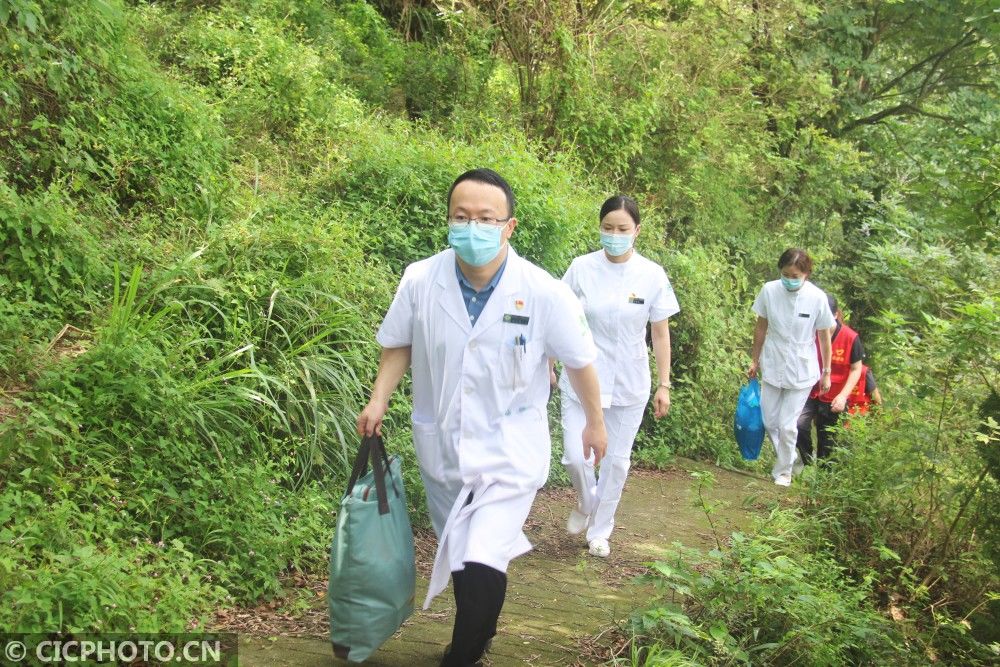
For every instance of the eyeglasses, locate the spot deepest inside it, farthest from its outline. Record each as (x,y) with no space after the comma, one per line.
(462,221)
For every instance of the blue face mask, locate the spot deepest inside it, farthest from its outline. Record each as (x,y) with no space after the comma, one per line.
(616,244)
(476,244)
(792,284)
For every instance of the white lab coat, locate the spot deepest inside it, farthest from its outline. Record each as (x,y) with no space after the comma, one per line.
(788,359)
(619,299)
(479,400)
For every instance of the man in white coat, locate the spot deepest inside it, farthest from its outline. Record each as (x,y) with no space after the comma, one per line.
(476,324)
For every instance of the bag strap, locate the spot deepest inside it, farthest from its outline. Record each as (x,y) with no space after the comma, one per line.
(360,465)
(379,473)
(373,448)
(387,461)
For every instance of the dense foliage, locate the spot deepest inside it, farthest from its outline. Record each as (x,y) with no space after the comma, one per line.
(217,199)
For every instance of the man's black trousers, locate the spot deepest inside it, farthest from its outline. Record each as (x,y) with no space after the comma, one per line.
(479,595)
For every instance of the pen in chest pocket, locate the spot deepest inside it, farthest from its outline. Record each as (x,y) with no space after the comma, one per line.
(520,350)
(517,362)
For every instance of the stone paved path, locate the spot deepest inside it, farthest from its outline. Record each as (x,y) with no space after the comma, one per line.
(562,605)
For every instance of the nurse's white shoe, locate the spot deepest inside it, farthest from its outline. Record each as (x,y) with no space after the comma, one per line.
(783,480)
(577,522)
(600,548)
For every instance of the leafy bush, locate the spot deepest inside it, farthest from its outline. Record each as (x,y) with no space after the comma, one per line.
(709,338)
(764,600)
(195,443)
(48,253)
(894,526)
(72,568)
(85,109)
(911,493)
(397,180)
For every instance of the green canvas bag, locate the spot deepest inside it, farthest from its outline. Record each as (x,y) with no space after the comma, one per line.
(372,571)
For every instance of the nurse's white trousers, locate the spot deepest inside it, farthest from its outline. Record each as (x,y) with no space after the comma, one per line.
(780,408)
(598,496)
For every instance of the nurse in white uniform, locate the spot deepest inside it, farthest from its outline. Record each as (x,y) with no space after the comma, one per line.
(620,291)
(476,325)
(791,313)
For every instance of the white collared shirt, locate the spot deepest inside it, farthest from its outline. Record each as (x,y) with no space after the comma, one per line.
(618,300)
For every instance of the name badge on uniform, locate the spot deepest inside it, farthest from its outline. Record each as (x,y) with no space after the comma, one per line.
(515,319)
(636,299)
(803,314)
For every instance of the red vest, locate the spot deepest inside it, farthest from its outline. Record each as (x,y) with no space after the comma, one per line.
(840,365)
(858,400)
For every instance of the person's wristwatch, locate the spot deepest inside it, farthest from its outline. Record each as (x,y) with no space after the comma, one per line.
(665,384)
(826,371)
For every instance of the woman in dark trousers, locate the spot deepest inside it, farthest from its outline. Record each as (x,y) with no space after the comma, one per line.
(846,376)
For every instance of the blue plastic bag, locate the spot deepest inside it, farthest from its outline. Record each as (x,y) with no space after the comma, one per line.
(749,423)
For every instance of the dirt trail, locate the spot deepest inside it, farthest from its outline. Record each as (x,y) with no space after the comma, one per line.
(563,606)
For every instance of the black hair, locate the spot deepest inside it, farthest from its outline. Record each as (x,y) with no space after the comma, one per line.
(798,258)
(832,300)
(619,202)
(489,177)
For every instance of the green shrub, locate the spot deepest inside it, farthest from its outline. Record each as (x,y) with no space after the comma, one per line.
(902,507)
(765,600)
(195,443)
(244,518)
(85,109)
(396,177)
(710,340)
(49,250)
(892,528)
(72,567)
(372,55)
(268,84)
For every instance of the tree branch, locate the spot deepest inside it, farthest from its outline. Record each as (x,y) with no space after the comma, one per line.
(936,58)
(905,109)
(958,122)
(978,208)
(898,110)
